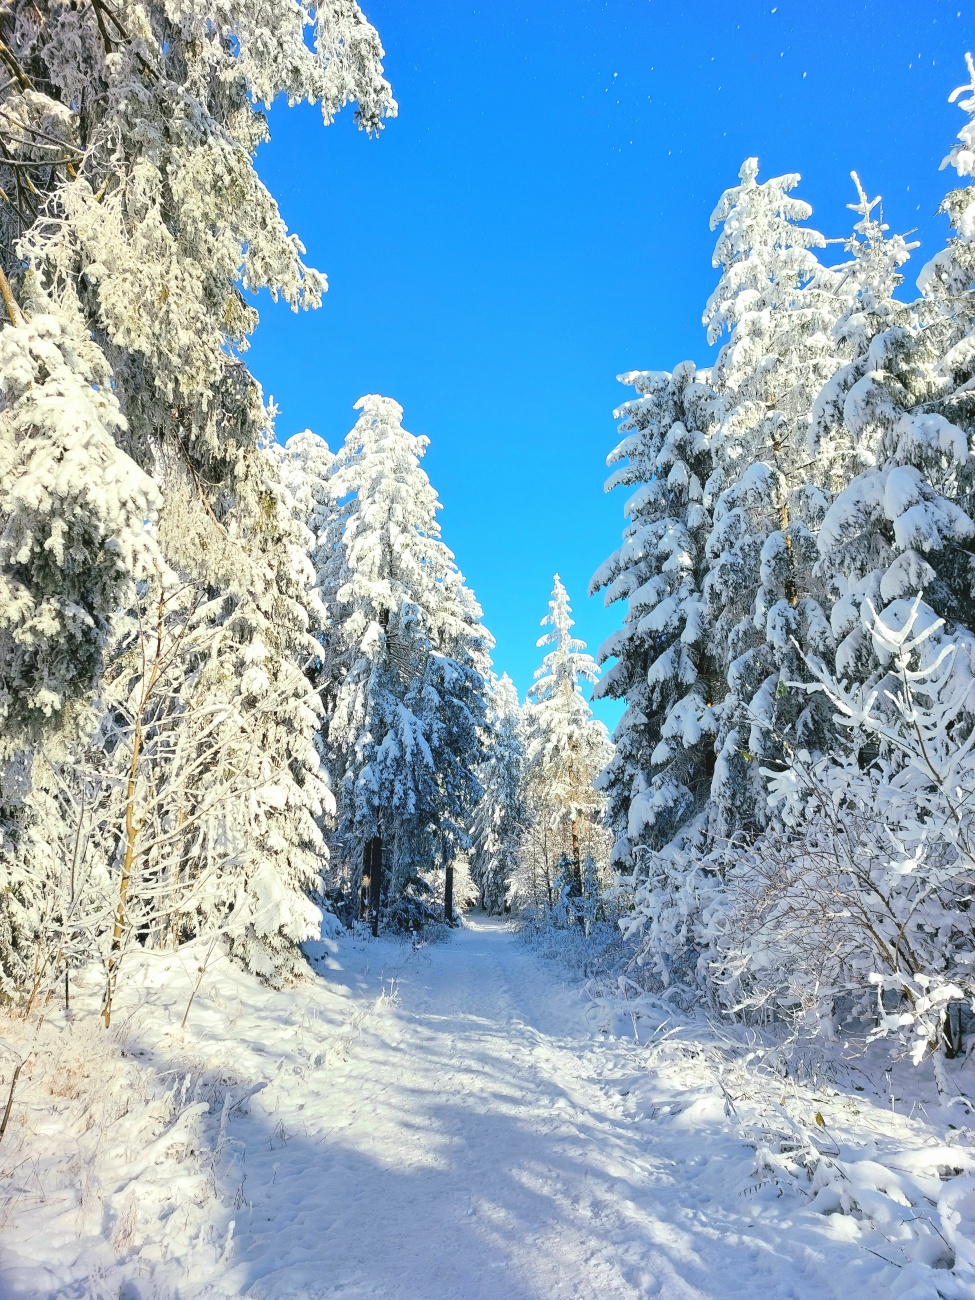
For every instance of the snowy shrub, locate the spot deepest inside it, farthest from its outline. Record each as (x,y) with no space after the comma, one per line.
(857,903)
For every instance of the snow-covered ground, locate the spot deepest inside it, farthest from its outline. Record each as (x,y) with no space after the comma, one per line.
(452,1122)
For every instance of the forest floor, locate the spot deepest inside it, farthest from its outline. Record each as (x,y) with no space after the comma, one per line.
(447,1123)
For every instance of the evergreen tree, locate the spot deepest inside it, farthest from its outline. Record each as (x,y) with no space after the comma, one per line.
(764,598)
(894,527)
(407,655)
(73,520)
(565,750)
(271,639)
(659,776)
(131,214)
(206,783)
(131,219)
(499,820)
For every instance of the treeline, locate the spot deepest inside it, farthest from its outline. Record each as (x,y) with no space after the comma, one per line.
(792,789)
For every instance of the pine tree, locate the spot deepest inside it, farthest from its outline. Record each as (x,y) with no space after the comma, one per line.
(407,654)
(779,305)
(500,817)
(898,523)
(659,776)
(565,750)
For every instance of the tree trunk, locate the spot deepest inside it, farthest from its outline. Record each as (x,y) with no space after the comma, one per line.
(548,874)
(375,880)
(132,829)
(448,894)
(132,826)
(952,1030)
(364,879)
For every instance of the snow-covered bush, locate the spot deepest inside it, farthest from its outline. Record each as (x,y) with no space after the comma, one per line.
(856,904)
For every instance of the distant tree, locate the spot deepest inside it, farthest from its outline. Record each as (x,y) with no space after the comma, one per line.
(565,750)
(500,815)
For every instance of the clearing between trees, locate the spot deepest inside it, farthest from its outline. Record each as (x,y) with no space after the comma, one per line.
(452,1120)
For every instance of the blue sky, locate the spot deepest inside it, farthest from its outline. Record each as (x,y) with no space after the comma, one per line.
(535,222)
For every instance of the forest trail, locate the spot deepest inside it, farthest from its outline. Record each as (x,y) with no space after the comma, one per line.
(475,1139)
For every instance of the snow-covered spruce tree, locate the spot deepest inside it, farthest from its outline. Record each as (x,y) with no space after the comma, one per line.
(946,281)
(499,819)
(565,750)
(779,305)
(747,584)
(261,679)
(659,777)
(74,511)
(898,523)
(867,283)
(304,466)
(305,463)
(407,657)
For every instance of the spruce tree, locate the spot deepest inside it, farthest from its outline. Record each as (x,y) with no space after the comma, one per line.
(779,305)
(131,248)
(131,221)
(565,750)
(900,417)
(500,816)
(660,774)
(407,655)
(894,526)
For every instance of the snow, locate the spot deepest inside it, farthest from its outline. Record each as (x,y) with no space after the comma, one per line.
(458,1121)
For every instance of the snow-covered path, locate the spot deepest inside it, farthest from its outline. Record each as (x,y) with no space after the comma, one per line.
(444,1124)
(474,1139)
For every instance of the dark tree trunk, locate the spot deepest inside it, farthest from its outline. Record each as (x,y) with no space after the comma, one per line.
(365,879)
(952,1030)
(448,895)
(374,849)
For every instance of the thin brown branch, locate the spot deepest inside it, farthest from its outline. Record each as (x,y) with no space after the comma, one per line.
(14,313)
